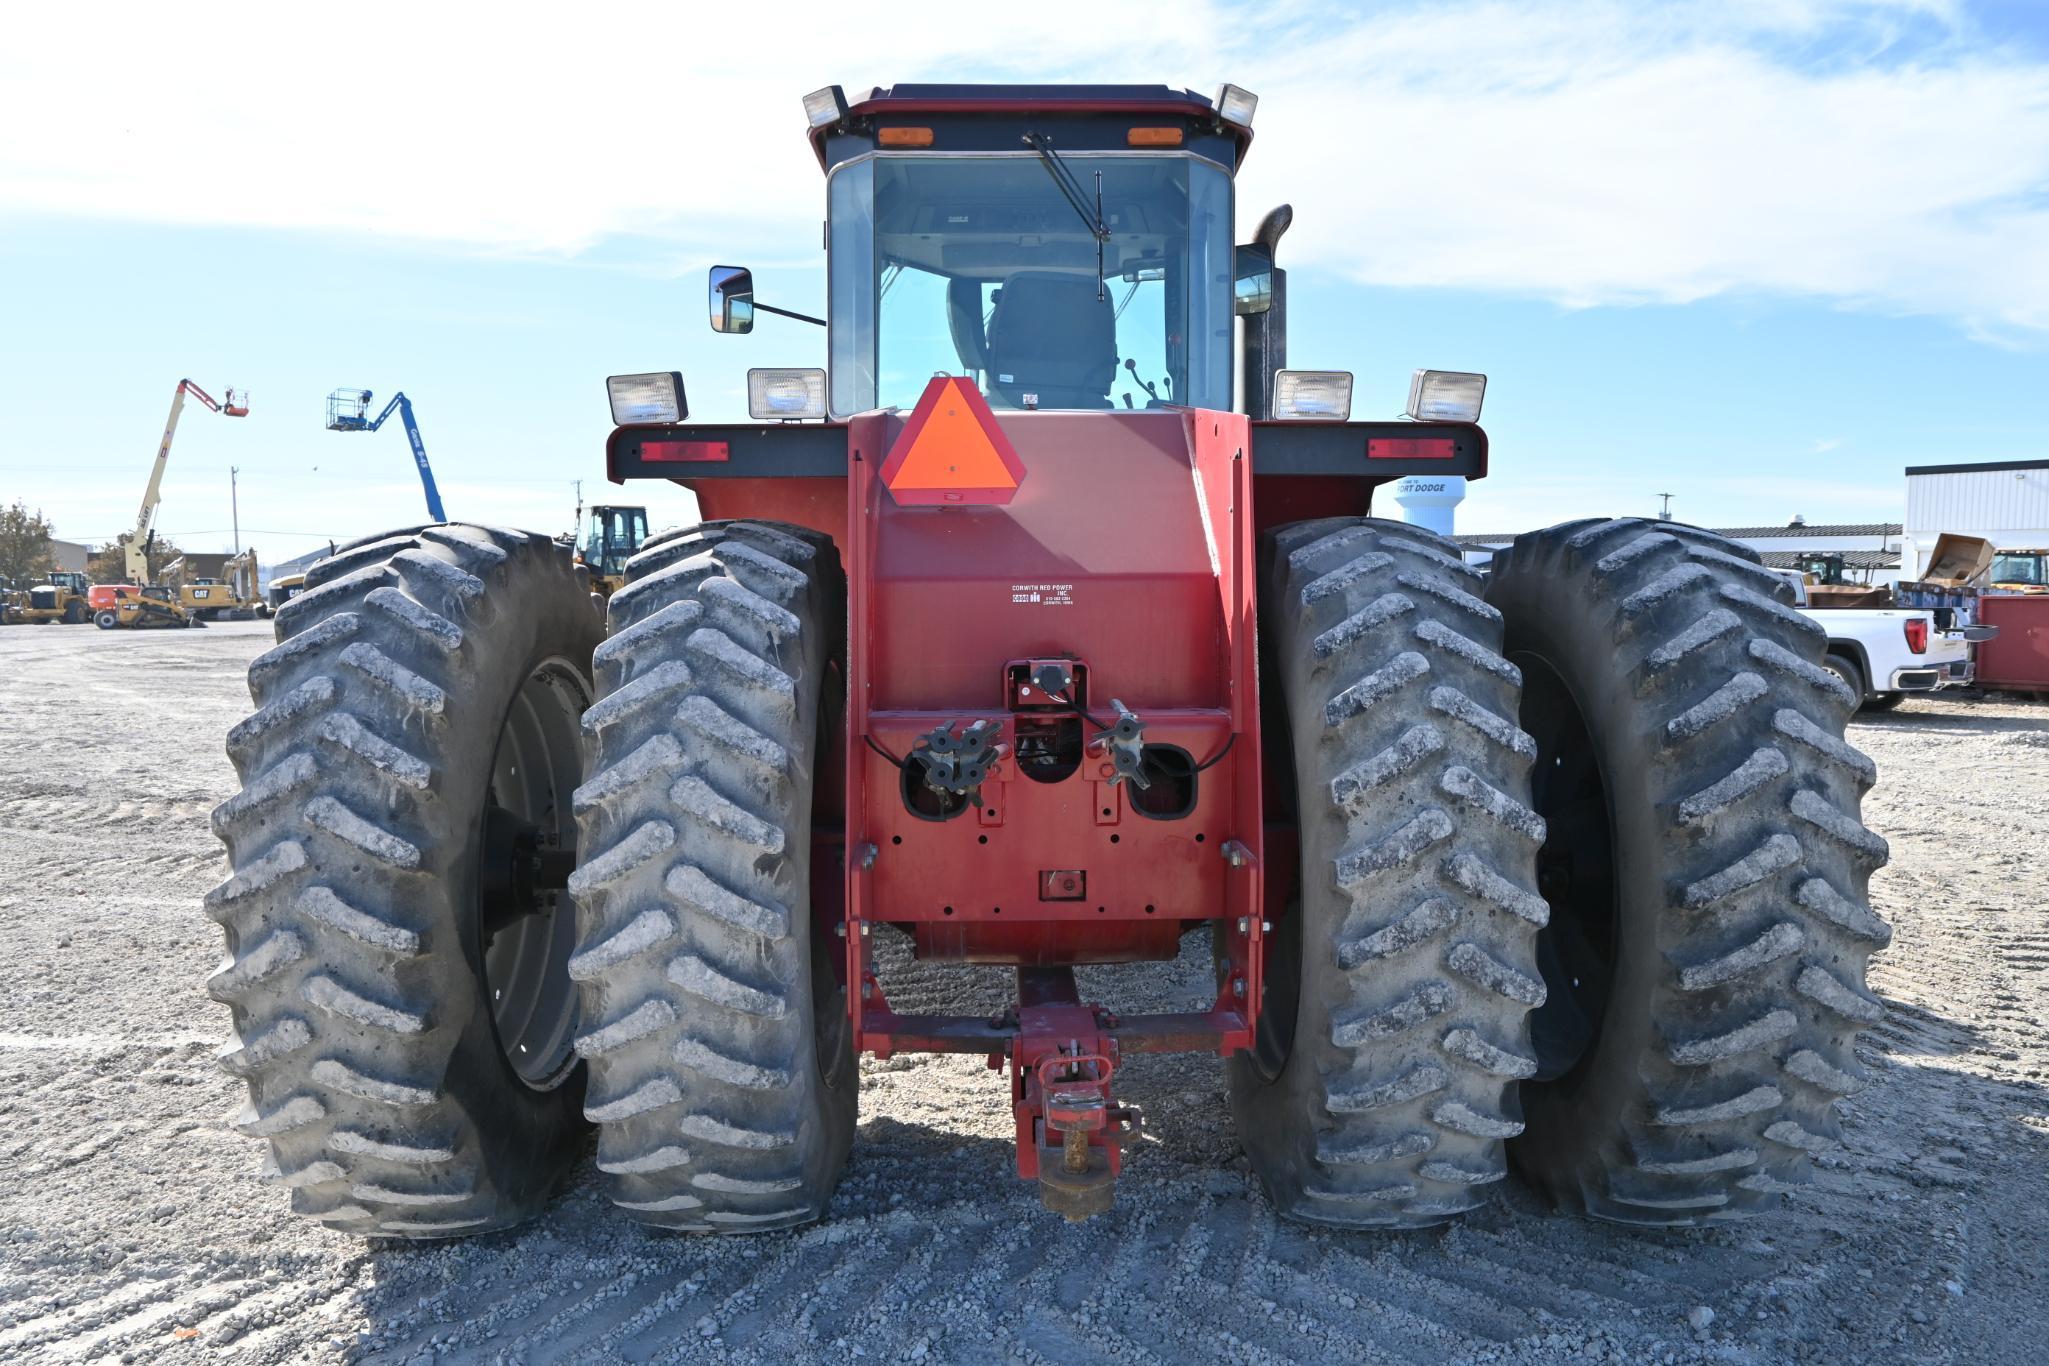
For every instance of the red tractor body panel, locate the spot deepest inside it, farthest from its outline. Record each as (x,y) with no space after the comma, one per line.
(1117,549)
(1126,549)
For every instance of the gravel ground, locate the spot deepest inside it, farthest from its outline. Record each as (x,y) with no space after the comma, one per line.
(132,1224)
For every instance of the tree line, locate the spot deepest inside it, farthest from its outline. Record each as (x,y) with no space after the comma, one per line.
(27,552)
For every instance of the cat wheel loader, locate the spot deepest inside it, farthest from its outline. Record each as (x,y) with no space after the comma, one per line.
(1030,633)
(61,597)
(612,536)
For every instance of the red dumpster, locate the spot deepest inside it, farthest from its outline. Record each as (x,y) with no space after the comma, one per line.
(2018,658)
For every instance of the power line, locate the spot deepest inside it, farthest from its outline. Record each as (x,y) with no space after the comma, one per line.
(189,469)
(212,531)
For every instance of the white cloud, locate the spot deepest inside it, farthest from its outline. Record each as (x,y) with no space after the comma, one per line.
(1871,152)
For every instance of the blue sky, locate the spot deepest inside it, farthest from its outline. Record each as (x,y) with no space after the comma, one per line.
(1757,255)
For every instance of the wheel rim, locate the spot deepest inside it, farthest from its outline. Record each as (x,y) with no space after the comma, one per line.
(1578,950)
(526,929)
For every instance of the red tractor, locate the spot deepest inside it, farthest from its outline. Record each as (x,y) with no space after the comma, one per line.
(1013,637)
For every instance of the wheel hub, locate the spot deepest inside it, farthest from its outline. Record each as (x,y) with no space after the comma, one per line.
(526,845)
(519,877)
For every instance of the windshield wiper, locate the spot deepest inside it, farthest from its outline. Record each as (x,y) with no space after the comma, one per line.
(1071,190)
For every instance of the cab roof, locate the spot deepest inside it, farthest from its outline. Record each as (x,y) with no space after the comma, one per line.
(993,117)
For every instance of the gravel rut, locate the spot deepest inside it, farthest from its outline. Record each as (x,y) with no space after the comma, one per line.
(133,1225)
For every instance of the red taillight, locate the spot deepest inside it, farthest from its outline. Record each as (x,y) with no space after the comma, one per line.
(1410,448)
(1917,635)
(685,450)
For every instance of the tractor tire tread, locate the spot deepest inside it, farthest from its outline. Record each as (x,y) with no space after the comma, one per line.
(349,987)
(1419,927)
(715,1108)
(1757,994)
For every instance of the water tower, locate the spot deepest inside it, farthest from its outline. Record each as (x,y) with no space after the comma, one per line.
(1427,500)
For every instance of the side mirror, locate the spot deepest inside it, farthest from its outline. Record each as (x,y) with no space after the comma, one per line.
(1253,286)
(732,299)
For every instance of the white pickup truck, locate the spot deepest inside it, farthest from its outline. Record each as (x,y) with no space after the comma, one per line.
(1884,653)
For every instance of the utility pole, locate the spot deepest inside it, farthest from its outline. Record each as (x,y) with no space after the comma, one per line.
(235,508)
(1665,513)
(576,527)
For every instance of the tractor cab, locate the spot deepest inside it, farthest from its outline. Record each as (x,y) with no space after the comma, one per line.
(1069,253)
(611,537)
(1822,569)
(2019,571)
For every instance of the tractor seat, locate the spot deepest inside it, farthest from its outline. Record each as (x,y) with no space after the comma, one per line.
(1051,336)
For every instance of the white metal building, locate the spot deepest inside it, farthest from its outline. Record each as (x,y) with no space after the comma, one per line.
(298,565)
(1870,550)
(2004,501)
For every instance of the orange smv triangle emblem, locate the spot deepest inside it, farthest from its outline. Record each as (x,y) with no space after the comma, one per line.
(951,453)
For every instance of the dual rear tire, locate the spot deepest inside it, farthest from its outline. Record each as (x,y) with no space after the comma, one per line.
(1583,883)
(398,979)
(431,1012)
(723,1080)
(1394,1033)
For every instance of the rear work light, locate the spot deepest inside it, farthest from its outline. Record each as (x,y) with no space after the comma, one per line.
(1313,395)
(1446,396)
(639,400)
(786,394)
(825,107)
(1917,634)
(1236,104)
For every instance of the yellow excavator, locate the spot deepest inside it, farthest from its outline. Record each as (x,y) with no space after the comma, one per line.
(230,594)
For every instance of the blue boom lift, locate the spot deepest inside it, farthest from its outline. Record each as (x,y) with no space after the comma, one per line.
(348,411)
